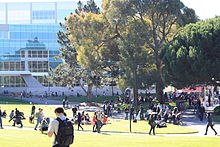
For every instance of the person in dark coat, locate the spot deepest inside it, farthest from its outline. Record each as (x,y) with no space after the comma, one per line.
(210,124)
(79,120)
(142,112)
(1,118)
(152,124)
(201,112)
(74,109)
(33,110)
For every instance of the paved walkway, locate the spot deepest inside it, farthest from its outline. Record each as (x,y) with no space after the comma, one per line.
(119,133)
(190,120)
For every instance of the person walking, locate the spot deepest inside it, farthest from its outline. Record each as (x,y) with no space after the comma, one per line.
(201,112)
(126,112)
(99,121)
(152,124)
(210,124)
(40,116)
(141,112)
(94,122)
(79,120)
(64,103)
(62,129)
(12,114)
(1,119)
(209,99)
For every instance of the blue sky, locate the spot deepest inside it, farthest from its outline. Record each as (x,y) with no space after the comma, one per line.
(204,8)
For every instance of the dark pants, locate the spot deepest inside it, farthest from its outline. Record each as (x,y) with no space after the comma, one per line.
(201,116)
(94,128)
(142,116)
(152,128)
(98,125)
(210,125)
(126,115)
(57,145)
(0,122)
(79,125)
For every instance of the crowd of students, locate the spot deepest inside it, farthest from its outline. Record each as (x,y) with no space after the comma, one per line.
(97,121)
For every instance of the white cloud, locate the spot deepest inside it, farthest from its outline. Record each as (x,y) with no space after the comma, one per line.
(204,8)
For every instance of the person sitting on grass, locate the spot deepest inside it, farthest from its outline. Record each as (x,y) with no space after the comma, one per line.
(18,119)
(31,119)
(44,125)
(4,114)
(86,119)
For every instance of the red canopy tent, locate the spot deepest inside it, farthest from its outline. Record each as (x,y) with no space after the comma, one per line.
(192,89)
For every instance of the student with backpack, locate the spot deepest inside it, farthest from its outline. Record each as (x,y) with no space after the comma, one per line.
(62,128)
(1,118)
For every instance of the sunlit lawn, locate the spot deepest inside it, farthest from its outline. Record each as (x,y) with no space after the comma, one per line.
(114,126)
(27,138)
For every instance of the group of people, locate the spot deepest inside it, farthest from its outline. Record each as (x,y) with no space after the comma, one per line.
(98,120)
(41,119)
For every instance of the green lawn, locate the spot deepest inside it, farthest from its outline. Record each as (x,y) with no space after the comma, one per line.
(99,99)
(27,138)
(115,126)
(216,118)
(9,100)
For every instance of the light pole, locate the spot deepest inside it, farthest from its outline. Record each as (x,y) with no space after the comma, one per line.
(128,92)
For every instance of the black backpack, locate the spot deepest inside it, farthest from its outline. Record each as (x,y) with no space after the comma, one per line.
(65,135)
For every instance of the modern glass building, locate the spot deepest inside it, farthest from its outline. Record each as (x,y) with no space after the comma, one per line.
(28,40)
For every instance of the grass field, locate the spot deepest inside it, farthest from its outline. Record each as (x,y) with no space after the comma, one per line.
(96,99)
(99,99)
(9,100)
(216,118)
(26,138)
(115,126)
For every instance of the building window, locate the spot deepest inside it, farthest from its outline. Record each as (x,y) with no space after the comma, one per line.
(11,81)
(37,54)
(22,54)
(38,66)
(43,14)
(12,66)
(4,35)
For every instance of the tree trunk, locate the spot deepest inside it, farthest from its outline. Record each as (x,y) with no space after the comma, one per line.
(159,82)
(135,91)
(89,94)
(112,90)
(159,92)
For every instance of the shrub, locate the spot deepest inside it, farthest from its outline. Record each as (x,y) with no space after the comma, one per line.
(217,110)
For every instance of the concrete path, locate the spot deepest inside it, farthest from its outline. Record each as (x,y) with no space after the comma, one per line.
(119,133)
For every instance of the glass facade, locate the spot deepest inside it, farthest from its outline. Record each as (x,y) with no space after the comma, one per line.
(12,81)
(28,38)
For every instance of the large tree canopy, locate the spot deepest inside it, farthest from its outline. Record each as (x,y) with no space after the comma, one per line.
(80,43)
(194,56)
(166,17)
